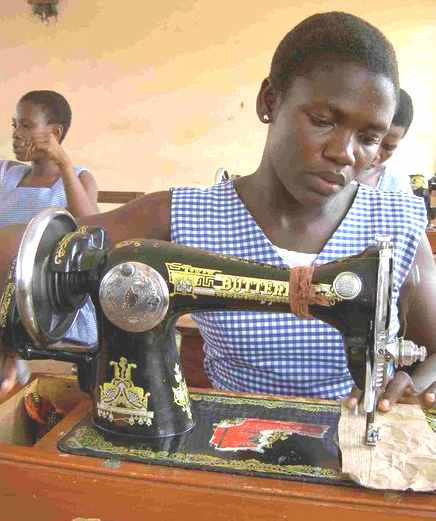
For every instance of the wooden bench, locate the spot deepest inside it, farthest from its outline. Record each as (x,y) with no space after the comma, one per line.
(431,234)
(113,197)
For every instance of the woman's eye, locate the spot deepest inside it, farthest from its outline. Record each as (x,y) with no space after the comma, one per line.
(371,140)
(320,121)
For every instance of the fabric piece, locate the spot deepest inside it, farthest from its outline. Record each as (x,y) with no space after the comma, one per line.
(278,353)
(404,457)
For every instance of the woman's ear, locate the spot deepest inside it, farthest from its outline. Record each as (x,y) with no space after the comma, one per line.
(266,101)
(58,130)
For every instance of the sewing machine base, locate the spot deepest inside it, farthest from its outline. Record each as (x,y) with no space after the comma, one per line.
(61,487)
(286,439)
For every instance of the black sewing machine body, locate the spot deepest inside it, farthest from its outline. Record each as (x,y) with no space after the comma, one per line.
(140,288)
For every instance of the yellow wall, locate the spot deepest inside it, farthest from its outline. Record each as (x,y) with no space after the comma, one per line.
(163,93)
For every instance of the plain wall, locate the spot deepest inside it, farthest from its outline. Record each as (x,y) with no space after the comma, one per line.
(163,93)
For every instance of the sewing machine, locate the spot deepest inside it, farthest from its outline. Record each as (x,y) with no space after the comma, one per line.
(140,288)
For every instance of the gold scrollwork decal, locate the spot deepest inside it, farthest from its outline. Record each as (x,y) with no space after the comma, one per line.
(136,243)
(7,295)
(194,281)
(327,291)
(61,247)
(122,398)
(181,393)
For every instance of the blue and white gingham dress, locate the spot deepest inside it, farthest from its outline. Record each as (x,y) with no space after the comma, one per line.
(19,204)
(280,353)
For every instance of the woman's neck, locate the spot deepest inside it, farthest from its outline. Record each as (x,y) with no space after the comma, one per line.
(371,177)
(284,220)
(269,194)
(42,174)
(45,168)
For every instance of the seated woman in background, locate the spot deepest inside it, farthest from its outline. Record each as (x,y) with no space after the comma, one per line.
(377,175)
(40,125)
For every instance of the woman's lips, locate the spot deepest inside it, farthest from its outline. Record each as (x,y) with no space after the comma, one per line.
(327,183)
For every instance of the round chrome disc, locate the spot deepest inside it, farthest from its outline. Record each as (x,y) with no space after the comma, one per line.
(347,285)
(42,323)
(134,296)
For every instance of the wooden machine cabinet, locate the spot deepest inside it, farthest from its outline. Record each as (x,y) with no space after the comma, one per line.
(39,483)
(431,235)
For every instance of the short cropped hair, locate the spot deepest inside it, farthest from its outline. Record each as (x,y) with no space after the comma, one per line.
(404,114)
(339,35)
(55,106)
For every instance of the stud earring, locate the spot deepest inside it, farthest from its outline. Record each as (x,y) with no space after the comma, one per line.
(265,117)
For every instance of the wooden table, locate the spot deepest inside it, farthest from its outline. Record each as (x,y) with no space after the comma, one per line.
(39,483)
(431,234)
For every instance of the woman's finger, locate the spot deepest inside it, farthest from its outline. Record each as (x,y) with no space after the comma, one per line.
(9,375)
(429,397)
(401,384)
(351,402)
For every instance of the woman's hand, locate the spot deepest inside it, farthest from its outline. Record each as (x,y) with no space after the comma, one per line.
(402,388)
(45,145)
(81,192)
(8,375)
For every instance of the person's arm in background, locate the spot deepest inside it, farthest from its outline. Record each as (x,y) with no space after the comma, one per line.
(10,238)
(147,217)
(81,191)
(89,185)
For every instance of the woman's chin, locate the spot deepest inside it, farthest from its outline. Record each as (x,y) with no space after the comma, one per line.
(314,198)
(20,156)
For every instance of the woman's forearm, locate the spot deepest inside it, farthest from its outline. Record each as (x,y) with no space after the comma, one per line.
(78,201)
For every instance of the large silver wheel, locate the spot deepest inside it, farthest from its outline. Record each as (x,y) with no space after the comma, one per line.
(43,323)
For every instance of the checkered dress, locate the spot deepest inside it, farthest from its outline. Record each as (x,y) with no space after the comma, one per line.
(273,352)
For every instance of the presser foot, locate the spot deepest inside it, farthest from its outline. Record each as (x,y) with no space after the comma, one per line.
(372,433)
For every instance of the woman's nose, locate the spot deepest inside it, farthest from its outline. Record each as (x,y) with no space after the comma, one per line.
(340,149)
(378,159)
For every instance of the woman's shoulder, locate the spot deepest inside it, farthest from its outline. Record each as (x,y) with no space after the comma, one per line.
(376,193)
(395,182)
(6,165)
(400,208)
(213,192)
(11,171)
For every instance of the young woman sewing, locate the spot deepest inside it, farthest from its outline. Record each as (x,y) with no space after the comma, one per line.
(327,102)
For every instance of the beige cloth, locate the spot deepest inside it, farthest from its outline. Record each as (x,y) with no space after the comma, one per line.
(404,457)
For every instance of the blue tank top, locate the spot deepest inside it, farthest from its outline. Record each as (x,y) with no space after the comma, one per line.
(19,204)
(273,352)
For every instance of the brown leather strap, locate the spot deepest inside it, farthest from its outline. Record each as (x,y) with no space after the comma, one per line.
(300,280)
(302,293)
